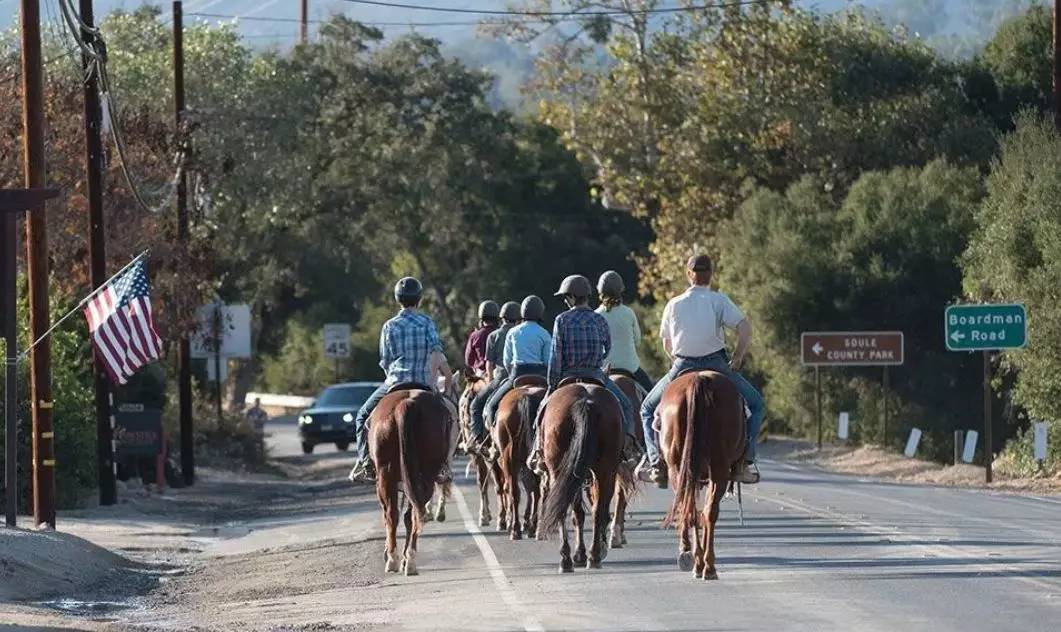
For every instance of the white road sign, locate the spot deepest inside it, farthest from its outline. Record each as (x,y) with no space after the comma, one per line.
(842,429)
(337,340)
(969,450)
(911,443)
(235,334)
(1040,441)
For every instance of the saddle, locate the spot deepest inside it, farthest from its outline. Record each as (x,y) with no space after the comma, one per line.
(623,372)
(579,380)
(408,386)
(529,381)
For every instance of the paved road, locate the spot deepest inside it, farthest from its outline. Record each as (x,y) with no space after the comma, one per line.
(818,552)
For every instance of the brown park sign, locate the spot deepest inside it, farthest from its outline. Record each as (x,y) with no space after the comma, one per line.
(852,348)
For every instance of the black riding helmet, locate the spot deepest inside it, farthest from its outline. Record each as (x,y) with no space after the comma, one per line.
(408,288)
(489,310)
(611,284)
(533,308)
(510,311)
(575,285)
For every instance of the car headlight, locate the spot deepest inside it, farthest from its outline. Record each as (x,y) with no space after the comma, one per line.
(305,419)
(348,417)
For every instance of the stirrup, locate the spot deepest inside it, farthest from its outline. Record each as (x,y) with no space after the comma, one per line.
(746,475)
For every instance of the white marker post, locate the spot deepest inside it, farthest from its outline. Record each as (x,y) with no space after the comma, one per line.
(970,446)
(842,429)
(1040,442)
(911,443)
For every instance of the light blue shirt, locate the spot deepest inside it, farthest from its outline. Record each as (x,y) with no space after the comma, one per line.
(527,343)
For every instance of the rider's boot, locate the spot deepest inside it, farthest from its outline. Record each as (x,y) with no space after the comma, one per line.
(364,472)
(745,472)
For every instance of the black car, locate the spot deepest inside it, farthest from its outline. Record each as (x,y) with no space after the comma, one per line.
(331,417)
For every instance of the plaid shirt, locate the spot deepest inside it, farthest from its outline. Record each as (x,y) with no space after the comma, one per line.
(405,346)
(581,340)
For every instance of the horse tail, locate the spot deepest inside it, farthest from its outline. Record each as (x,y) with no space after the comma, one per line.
(573,468)
(416,490)
(698,401)
(526,411)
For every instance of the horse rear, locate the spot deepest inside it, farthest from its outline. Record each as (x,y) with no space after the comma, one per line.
(702,435)
(582,437)
(483,468)
(627,482)
(408,440)
(513,435)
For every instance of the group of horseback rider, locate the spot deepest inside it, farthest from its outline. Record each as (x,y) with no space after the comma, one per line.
(510,342)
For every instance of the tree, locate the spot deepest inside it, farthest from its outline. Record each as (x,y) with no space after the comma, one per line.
(1015,256)
(1020,58)
(885,258)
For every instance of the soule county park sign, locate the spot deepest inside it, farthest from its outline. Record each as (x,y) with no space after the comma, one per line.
(985,327)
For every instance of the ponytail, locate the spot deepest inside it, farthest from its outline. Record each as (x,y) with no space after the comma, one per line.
(611,302)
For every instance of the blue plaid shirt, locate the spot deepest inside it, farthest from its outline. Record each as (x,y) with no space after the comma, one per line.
(581,340)
(405,345)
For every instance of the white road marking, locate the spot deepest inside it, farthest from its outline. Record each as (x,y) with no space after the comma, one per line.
(526,619)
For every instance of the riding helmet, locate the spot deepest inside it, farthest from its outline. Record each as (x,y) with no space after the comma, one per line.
(575,285)
(510,311)
(489,310)
(610,284)
(533,308)
(407,287)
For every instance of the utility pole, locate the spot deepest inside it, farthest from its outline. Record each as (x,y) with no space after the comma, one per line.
(304,32)
(37,260)
(1057,64)
(97,252)
(184,353)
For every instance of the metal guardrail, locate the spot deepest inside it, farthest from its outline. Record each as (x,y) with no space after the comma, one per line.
(276,401)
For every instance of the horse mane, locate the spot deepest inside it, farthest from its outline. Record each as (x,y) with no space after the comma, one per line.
(571,471)
(698,402)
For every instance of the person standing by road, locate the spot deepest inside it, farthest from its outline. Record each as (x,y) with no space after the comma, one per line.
(692,334)
(256,419)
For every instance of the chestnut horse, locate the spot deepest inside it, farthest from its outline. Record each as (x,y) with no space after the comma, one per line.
(409,435)
(582,437)
(513,435)
(702,434)
(473,385)
(629,386)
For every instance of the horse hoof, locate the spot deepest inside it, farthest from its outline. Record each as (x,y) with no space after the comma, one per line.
(428,517)
(441,515)
(617,543)
(566,567)
(685,561)
(711,575)
(516,535)
(699,572)
(540,537)
(593,564)
(502,526)
(391,567)
(580,557)
(484,522)
(624,538)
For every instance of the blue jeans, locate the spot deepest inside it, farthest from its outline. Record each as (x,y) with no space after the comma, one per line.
(478,427)
(714,362)
(361,421)
(490,413)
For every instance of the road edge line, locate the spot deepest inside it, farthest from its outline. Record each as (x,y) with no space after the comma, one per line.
(504,586)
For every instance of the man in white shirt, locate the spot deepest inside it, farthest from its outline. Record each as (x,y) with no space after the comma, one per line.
(692,331)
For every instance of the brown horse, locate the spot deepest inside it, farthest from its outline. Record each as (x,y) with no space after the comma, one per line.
(702,435)
(473,385)
(582,437)
(408,439)
(629,386)
(513,435)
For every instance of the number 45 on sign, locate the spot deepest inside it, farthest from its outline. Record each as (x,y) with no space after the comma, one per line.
(337,340)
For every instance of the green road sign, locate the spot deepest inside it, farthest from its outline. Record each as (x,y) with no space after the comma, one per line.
(985,327)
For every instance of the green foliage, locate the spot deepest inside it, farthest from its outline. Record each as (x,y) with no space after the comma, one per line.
(885,258)
(299,367)
(1020,57)
(1015,256)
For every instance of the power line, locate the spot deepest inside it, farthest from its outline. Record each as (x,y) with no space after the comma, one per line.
(252,18)
(687,9)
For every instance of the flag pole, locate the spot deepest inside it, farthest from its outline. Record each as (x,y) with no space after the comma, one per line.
(84,301)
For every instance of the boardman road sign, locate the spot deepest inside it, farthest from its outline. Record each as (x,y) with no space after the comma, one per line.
(985,327)
(337,340)
(852,348)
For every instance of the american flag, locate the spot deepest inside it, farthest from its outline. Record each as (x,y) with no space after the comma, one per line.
(119,321)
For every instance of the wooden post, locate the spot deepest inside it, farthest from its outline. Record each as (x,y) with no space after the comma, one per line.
(97,252)
(884,401)
(37,259)
(989,454)
(818,401)
(1057,63)
(304,30)
(184,359)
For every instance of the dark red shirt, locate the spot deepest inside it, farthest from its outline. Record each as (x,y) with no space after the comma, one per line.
(475,351)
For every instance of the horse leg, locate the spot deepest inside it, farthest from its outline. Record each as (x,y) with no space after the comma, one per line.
(718,490)
(440,508)
(412,536)
(580,530)
(516,529)
(700,540)
(603,504)
(387,490)
(567,565)
(685,554)
(503,510)
(618,535)
(483,476)
(543,492)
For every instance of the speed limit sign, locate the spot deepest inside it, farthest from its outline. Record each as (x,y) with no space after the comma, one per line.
(337,340)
